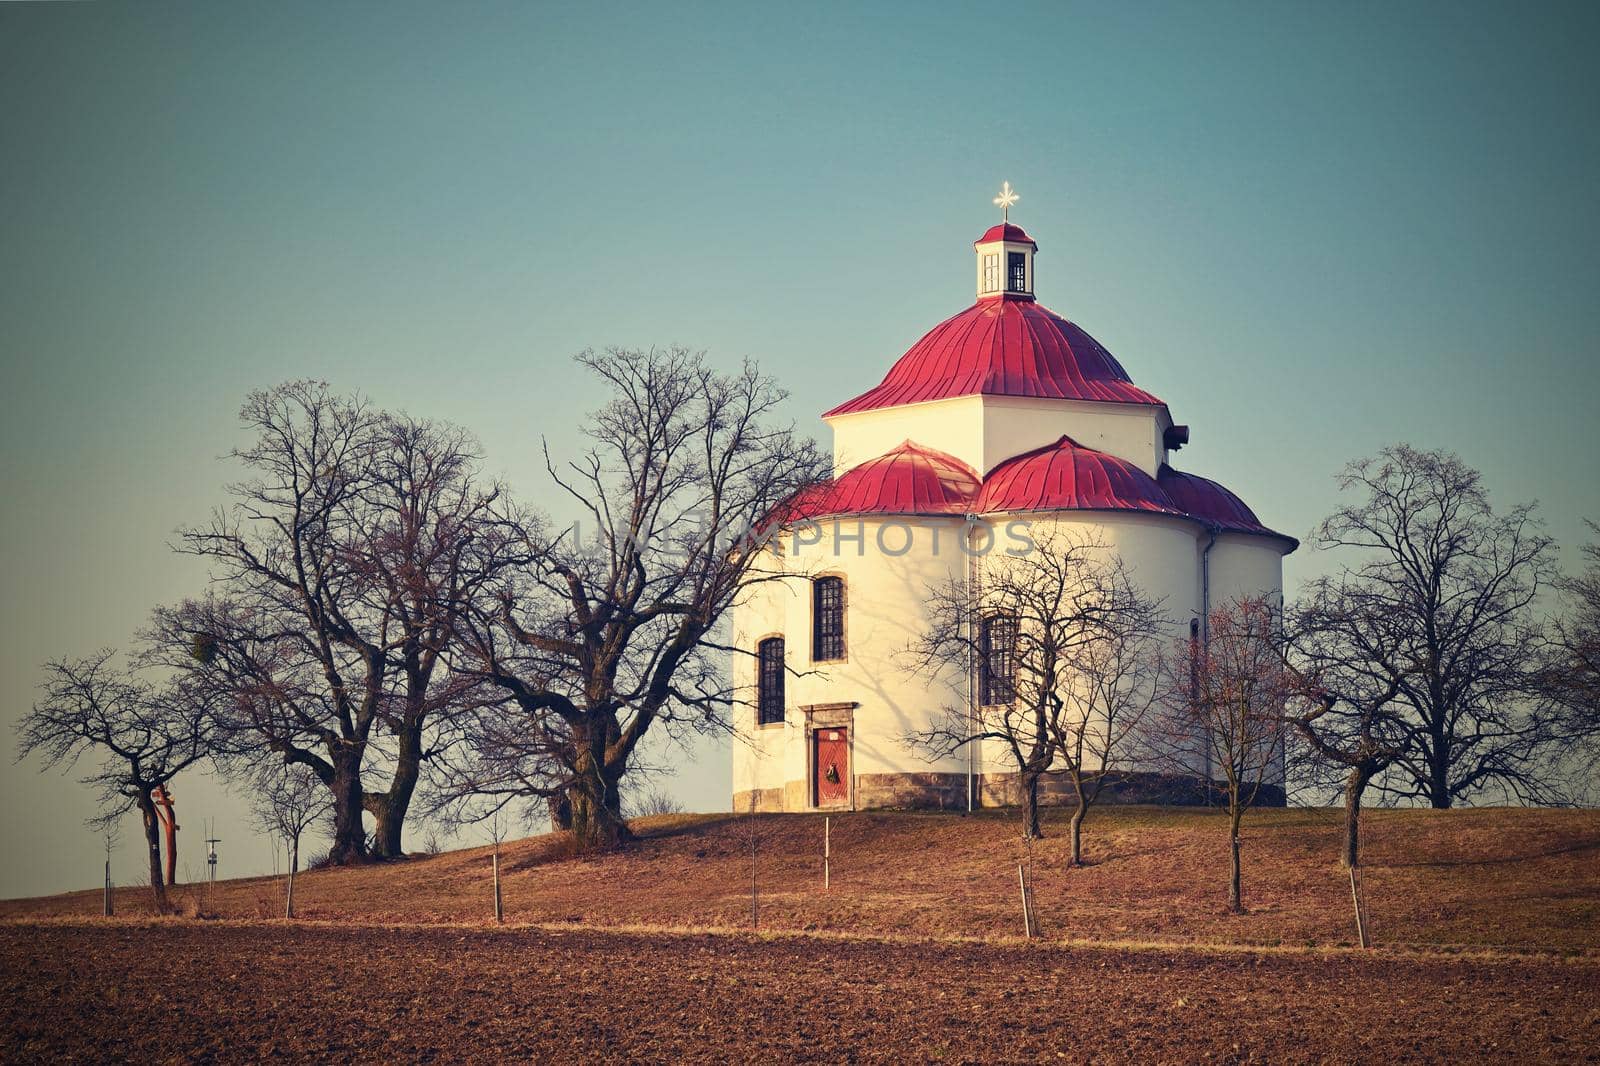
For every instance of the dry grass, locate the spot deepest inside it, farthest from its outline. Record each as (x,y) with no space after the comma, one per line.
(1524,880)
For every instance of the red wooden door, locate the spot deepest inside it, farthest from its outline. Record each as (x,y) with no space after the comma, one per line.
(832,768)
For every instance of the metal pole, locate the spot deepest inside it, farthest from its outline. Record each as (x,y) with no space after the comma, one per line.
(973,666)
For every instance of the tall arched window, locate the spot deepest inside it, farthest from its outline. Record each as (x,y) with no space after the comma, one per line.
(997,639)
(827,619)
(769,681)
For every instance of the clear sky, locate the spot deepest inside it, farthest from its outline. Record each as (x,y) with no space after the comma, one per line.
(1311,228)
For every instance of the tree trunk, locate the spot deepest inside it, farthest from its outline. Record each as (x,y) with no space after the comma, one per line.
(388,809)
(349,834)
(1077,830)
(1355,784)
(1439,772)
(596,806)
(1030,805)
(1235,816)
(152,837)
(560,813)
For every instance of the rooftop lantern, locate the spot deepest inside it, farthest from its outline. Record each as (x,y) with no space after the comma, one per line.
(1005,255)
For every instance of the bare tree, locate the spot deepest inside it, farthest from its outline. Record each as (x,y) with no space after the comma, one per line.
(1456,583)
(1031,622)
(1114,683)
(1228,696)
(144,736)
(607,629)
(1572,674)
(356,539)
(651,801)
(1345,648)
(288,800)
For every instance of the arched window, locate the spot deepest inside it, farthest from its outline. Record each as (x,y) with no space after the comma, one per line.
(769,681)
(827,619)
(997,639)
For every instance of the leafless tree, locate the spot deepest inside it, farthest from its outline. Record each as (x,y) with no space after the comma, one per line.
(1572,676)
(355,540)
(1344,645)
(652,800)
(287,800)
(1030,622)
(609,629)
(1227,695)
(143,735)
(1456,584)
(1114,684)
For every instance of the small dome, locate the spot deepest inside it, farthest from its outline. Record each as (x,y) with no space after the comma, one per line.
(1003,347)
(910,479)
(1005,231)
(1066,476)
(1212,504)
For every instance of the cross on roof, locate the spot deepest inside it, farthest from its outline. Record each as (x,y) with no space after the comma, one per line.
(1004,201)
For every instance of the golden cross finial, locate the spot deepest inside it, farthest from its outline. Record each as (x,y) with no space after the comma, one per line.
(1005,200)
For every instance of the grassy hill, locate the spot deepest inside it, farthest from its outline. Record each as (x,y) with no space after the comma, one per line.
(1524,880)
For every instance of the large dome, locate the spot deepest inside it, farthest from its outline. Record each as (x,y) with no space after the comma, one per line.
(1003,346)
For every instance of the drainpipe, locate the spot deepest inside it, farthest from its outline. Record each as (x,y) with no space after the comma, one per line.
(972,665)
(1212,529)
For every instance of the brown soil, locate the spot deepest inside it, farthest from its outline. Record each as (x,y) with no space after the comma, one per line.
(1527,880)
(217,992)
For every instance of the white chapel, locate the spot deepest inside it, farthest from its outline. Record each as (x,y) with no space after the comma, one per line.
(1004,411)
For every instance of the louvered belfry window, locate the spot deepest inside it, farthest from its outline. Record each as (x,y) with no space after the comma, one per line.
(998,670)
(769,681)
(827,619)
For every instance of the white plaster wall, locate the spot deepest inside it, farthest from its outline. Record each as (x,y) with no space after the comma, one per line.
(885,610)
(1162,557)
(984,431)
(759,753)
(1013,425)
(1244,566)
(953,426)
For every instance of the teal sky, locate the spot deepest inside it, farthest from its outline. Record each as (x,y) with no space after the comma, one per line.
(1311,229)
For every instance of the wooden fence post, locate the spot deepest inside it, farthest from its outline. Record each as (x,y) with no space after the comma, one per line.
(1361,910)
(1029,925)
(499,908)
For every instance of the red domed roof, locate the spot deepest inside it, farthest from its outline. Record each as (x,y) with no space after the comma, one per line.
(1003,347)
(1212,504)
(910,479)
(1066,476)
(1006,232)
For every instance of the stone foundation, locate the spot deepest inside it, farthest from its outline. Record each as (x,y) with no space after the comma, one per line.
(1168,790)
(759,800)
(919,791)
(948,792)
